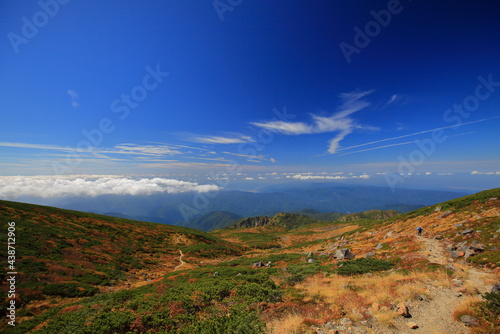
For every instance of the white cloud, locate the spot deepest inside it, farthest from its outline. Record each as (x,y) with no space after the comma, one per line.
(484,173)
(237,139)
(12,187)
(316,177)
(309,176)
(74,98)
(36,146)
(339,121)
(393,99)
(150,150)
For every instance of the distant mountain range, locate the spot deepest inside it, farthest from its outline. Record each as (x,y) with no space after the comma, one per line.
(325,200)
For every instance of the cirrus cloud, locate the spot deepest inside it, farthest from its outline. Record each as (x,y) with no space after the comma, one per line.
(339,122)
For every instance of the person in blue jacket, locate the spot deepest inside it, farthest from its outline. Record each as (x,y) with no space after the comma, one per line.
(419,230)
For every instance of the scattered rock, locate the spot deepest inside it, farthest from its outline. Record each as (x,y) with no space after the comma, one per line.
(437,209)
(469,320)
(371,254)
(450,267)
(469,253)
(379,246)
(216,273)
(258,264)
(456,254)
(344,254)
(458,225)
(445,214)
(403,310)
(423,298)
(476,246)
(467,231)
(412,325)
(495,288)
(268,264)
(310,260)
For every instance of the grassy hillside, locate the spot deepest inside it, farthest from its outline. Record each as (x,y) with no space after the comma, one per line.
(283,219)
(372,214)
(63,253)
(212,221)
(202,284)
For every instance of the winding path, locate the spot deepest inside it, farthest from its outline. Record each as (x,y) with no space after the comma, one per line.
(180,259)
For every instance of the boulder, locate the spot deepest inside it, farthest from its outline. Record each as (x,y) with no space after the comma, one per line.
(344,254)
(456,254)
(469,320)
(467,231)
(403,310)
(469,253)
(495,288)
(310,260)
(258,264)
(476,246)
(412,325)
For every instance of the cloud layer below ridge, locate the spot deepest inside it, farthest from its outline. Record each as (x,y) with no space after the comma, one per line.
(12,187)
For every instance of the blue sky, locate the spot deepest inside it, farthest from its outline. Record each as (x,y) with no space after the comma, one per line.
(186,88)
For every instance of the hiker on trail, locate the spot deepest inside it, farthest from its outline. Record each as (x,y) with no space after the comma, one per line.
(419,230)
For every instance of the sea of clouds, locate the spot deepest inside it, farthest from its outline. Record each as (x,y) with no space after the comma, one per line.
(12,187)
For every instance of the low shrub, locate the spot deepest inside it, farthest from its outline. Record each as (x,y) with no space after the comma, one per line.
(489,310)
(70,290)
(363,266)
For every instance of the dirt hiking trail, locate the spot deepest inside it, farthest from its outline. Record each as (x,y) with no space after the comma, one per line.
(435,314)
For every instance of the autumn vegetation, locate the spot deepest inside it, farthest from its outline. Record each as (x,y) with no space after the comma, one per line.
(87,273)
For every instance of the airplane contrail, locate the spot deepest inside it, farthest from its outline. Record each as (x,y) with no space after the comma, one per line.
(416,133)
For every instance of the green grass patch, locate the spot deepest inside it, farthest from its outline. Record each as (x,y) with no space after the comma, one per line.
(363,266)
